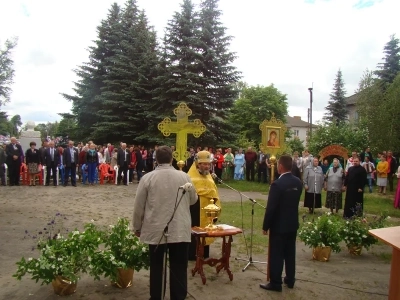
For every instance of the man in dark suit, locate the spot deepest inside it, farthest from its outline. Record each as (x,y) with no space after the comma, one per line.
(282,221)
(42,151)
(13,152)
(262,167)
(71,162)
(123,161)
(52,161)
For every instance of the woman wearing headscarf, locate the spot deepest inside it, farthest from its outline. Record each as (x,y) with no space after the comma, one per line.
(313,180)
(333,185)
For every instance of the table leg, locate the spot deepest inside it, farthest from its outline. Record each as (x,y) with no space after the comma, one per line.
(394,285)
(200,243)
(226,254)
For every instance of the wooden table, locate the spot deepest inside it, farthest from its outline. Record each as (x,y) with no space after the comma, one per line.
(226,234)
(391,236)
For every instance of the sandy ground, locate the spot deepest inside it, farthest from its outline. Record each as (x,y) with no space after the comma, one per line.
(29,208)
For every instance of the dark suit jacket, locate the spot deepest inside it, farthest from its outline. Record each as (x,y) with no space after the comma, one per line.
(42,151)
(67,157)
(47,157)
(281,215)
(296,170)
(10,152)
(121,157)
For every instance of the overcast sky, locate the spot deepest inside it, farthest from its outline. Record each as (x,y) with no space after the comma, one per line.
(290,43)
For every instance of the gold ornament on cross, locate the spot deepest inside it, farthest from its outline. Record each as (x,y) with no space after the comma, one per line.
(182,127)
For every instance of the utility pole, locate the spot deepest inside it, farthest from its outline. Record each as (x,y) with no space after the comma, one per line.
(311,100)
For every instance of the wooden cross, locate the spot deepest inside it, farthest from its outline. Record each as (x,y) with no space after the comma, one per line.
(182,127)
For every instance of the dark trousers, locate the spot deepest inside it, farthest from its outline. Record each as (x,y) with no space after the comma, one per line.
(92,172)
(218,172)
(250,171)
(2,174)
(123,169)
(13,171)
(178,263)
(139,173)
(283,249)
(52,168)
(390,180)
(262,174)
(72,169)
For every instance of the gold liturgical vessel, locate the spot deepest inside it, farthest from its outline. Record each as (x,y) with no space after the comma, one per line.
(212,211)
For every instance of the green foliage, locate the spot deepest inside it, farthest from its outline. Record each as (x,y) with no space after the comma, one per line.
(323,232)
(243,142)
(69,254)
(196,68)
(336,109)
(10,127)
(61,253)
(380,121)
(122,250)
(48,129)
(255,104)
(390,68)
(347,135)
(294,144)
(6,70)
(67,126)
(355,230)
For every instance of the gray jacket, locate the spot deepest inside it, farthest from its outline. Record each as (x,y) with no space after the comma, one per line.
(313,178)
(156,198)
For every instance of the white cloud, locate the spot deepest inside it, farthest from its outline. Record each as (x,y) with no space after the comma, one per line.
(290,43)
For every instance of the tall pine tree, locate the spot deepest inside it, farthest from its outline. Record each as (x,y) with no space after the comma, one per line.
(336,109)
(179,78)
(128,89)
(219,76)
(92,76)
(196,69)
(390,68)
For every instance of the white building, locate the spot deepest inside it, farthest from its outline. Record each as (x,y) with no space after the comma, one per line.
(298,128)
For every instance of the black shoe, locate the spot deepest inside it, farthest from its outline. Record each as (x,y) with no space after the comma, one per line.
(65,185)
(288,284)
(74,185)
(270,287)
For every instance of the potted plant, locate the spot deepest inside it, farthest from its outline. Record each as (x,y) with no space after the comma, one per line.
(62,256)
(122,254)
(323,235)
(355,231)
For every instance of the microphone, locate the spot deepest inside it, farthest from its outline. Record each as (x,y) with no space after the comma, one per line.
(186,187)
(214,176)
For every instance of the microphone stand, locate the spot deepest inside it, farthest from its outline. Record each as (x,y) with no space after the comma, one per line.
(249,260)
(315,190)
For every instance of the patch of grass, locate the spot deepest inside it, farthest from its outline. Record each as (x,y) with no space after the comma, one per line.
(232,214)
(386,257)
(247,186)
(375,204)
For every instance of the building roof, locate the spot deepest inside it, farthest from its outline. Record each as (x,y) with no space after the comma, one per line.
(352,100)
(296,121)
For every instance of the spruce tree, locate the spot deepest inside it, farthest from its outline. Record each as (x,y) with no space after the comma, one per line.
(390,68)
(93,75)
(128,90)
(196,69)
(336,109)
(219,76)
(179,79)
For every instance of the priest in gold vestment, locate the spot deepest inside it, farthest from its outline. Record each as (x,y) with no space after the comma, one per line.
(206,190)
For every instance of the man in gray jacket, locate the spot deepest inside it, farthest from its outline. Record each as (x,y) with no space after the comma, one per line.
(161,218)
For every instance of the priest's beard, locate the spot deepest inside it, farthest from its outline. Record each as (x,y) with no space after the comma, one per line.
(204,172)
